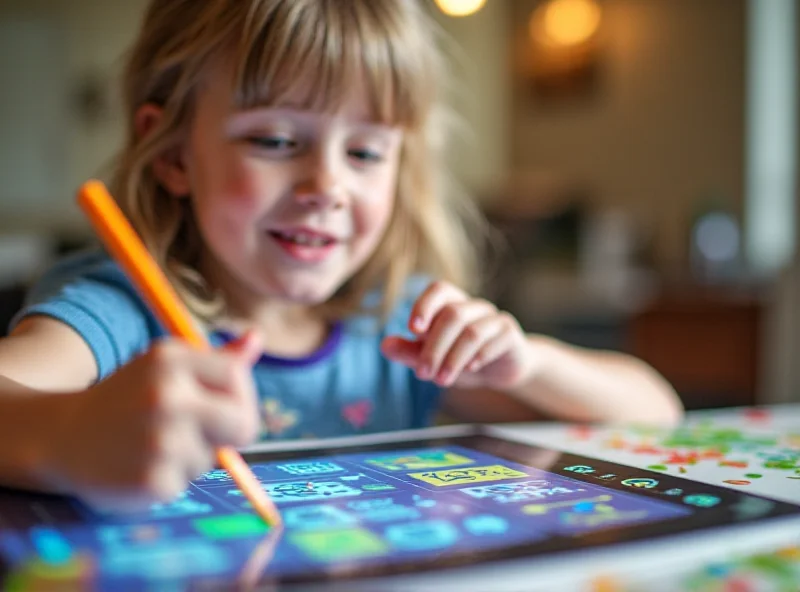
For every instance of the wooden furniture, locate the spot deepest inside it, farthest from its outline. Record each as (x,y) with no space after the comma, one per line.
(705,341)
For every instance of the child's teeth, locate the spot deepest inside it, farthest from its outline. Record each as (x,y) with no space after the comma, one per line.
(305,239)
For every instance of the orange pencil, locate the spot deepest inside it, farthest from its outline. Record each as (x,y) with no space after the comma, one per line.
(128,250)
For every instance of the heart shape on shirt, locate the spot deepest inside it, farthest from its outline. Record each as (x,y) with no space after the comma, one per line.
(357,414)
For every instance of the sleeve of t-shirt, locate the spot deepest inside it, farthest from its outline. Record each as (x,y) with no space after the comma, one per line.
(90,293)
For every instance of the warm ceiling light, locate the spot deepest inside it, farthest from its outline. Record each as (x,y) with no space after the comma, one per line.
(570,22)
(460,7)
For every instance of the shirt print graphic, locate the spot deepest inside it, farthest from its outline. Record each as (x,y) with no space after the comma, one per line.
(275,419)
(358,414)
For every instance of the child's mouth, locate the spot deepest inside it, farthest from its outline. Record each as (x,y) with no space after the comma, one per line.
(304,245)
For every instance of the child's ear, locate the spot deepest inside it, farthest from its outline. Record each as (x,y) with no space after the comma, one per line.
(169,167)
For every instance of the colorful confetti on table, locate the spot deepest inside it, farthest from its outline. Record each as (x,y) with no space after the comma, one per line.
(753,449)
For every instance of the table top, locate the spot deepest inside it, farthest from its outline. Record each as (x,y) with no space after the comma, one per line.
(755,449)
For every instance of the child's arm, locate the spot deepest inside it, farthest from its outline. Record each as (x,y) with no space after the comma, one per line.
(31,399)
(136,437)
(572,384)
(466,345)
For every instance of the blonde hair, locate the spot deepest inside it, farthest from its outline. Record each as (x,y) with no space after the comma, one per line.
(391,43)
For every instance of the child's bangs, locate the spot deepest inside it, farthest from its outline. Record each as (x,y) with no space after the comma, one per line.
(315,54)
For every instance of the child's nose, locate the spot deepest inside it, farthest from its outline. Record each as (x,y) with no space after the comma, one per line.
(322,191)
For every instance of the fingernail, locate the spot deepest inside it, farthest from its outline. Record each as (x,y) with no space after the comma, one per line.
(418,324)
(445,377)
(247,345)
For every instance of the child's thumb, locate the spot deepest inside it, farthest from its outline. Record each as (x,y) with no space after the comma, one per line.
(401,350)
(247,346)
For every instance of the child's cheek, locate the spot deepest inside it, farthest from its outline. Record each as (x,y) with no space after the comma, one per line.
(242,193)
(371,218)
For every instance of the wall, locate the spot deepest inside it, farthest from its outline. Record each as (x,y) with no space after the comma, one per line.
(100,32)
(666,129)
(89,36)
(477,47)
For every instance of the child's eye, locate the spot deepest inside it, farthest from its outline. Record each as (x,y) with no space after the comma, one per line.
(273,142)
(365,155)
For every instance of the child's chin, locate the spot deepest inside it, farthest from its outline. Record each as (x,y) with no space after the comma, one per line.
(311,295)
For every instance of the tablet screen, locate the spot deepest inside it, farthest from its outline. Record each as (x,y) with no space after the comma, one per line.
(374,510)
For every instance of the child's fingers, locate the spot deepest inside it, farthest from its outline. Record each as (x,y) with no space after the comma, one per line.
(184,444)
(174,361)
(248,347)
(223,373)
(431,302)
(492,349)
(445,329)
(225,422)
(473,339)
(401,350)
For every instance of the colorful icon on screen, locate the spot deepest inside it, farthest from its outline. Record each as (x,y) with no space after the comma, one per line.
(382,510)
(520,491)
(317,517)
(378,487)
(51,546)
(581,469)
(215,476)
(470,475)
(486,524)
(752,507)
(333,545)
(583,507)
(166,561)
(702,500)
(310,468)
(183,505)
(232,526)
(422,536)
(428,459)
(640,482)
(422,502)
(112,535)
(589,504)
(37,574)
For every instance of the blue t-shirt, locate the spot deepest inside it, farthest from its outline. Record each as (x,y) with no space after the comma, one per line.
(346,387)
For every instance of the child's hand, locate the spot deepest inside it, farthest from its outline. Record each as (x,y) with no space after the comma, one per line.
(463,342)
(139,436)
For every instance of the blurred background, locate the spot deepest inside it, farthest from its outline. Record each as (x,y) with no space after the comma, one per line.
(638,158)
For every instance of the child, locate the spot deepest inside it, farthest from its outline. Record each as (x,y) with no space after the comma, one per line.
(282,165)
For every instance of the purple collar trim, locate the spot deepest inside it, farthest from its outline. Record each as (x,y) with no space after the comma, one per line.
(325,351)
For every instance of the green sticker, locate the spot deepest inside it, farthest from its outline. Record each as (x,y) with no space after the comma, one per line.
(720,439)
(783,465)
(657,467)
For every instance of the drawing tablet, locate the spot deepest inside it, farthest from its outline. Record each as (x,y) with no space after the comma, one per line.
(366,507)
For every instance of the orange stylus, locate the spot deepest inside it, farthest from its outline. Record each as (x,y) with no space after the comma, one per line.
(128,250)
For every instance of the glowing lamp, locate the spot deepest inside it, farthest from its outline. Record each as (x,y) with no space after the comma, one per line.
(566,23)
(460,7)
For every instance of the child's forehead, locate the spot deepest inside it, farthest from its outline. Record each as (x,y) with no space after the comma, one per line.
(299,93)
(355,104)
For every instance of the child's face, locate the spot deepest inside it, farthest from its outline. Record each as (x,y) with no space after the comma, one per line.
(290,203)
